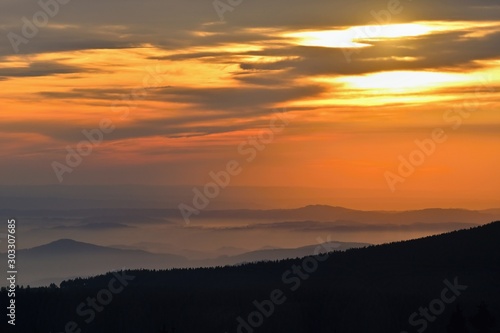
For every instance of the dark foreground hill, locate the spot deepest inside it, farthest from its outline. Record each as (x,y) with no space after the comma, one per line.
(445,283)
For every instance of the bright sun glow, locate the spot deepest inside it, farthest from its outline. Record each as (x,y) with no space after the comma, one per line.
(405,80)
(359,35)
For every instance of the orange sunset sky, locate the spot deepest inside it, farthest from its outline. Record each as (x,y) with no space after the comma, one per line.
(184,84)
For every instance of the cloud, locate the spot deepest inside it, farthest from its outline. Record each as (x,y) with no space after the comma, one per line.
(94,226)
(171,24)
(241,98)
(42,68)
(223,76)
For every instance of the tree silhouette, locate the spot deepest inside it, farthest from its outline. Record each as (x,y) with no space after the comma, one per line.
(457,324)
(209,300)
(483,321)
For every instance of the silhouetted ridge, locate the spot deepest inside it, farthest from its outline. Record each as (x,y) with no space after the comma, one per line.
(67,245)
(374,289)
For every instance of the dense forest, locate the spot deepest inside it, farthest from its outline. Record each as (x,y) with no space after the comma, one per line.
(445,283)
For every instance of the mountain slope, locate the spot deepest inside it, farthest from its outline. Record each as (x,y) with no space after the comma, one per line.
(68,258)
(280,254)
(373,289)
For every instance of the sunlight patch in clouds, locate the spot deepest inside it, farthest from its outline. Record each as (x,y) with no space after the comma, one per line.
(404,81)
(350,37)
(359,36)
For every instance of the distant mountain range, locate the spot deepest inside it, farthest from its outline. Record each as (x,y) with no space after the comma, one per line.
(52,197)
(324,213)
(319,213)
(66,258)
(436,284)
(280,254)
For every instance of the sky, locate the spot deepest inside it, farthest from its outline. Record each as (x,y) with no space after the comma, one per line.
(392,97)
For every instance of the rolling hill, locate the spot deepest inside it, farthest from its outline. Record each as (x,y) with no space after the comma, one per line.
(66,258)
(411,286)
